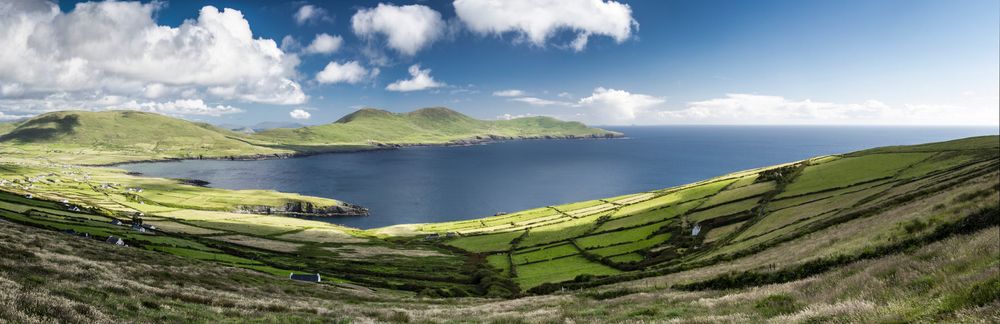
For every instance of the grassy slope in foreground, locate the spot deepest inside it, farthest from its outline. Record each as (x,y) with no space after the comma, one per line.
(653,233)
(910,243)
(78,137)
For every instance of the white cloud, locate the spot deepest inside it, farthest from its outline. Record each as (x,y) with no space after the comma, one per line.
(118,49)
(180,107)
(5,117)
(420,80)
(566,95)
(777,110)
(76,101)
(310,14)
(509,93)
(299,114)
(618,105)
(324,44)
(541,102)
(536,21)
(509,116)
(408,29)
(349,72)
(290,44)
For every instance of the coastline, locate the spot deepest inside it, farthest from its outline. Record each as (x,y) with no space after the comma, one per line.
(477,140)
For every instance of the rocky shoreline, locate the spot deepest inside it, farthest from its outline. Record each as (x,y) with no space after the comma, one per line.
(305,209)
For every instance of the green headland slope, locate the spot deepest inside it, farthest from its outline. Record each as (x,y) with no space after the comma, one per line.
(894,234)
(425,126)
(80,137)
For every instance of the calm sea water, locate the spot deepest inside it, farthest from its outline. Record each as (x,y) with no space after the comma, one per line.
(432,184)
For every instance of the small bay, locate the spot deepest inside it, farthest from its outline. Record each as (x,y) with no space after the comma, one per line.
(442,183)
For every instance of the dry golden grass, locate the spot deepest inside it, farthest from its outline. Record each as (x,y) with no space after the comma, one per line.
(260,243)
(174,227)
(367,251)
(322,235)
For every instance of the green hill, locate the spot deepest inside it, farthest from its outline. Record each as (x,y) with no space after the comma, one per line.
(81,137)
(6,127)
(126,135)
(895,234)
(425,126)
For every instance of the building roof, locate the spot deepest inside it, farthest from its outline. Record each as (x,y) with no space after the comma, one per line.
(305,277)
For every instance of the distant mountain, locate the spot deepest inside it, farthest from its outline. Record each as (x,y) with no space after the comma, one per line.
(135,136)
(427,126)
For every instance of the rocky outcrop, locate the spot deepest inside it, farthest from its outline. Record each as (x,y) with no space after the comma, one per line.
(301,208)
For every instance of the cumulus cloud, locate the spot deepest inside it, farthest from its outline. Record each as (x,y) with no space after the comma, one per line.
(509,93)
(349,72)
(310,14)
(619,105)
(510,116)
(536,21)
(6,117)
(419,80)
(74,101)
(324,44)
(118,49)
(609,106)
(300,114)
(407,29)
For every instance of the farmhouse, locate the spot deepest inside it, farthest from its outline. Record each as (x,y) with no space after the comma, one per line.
(695,230)
(115,240)
(305,277)
(117,222)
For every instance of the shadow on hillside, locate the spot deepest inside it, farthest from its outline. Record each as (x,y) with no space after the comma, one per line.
(43,128)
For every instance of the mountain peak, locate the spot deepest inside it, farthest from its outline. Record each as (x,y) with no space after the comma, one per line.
(366,112)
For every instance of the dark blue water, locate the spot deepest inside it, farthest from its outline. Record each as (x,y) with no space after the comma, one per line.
(432,184)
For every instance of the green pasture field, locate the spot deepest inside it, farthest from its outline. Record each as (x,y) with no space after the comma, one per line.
(485,243)
(631,247)
(543,253)
(612,238)
(647,217)
(500,262)
(735,194)
(777,219)
(723,210)
(851,170)
(559,232)
(558,270)
(720,232)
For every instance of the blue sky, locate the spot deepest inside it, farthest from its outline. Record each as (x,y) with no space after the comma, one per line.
(676,62)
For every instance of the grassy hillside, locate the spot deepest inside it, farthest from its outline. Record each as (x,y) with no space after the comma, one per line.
(79,137)
(738,216)
(424,126)
(6,127)
(899,234)
(113,136)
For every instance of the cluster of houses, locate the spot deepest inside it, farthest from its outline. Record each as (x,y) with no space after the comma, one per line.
(136,224)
